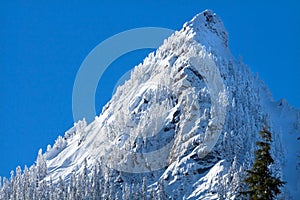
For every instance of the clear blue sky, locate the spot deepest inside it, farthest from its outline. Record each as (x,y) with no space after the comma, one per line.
(42,45)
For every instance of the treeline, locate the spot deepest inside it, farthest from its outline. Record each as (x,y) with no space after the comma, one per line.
(91,184)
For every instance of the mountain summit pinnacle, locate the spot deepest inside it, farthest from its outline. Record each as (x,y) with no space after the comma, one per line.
(184,126)
(205,23)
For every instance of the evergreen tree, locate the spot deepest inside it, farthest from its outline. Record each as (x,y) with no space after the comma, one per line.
(262,185)
(152,192)
(6,189)
(51,190)
(161,191)
(85,180)
(126,191)
(79,188)
(12,185)
(18,183)
(25,183)
(144,188)
(41,166)
(61,189)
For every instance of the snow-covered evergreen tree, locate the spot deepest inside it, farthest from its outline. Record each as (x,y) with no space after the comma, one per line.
(60,190)
(72,187)
(170,101)
(41,166)
(60,143)
(144,189)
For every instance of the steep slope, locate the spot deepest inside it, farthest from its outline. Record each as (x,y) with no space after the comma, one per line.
(187,120)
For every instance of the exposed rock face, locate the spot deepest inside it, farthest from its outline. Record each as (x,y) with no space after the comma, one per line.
(187,120)
(188,117)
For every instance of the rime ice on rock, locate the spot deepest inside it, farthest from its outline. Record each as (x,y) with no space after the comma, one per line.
(168,101)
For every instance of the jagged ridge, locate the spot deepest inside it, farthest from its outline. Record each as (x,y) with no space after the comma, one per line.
(167,103)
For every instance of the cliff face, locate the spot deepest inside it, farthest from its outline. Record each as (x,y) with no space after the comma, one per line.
(187,120)
(189,114)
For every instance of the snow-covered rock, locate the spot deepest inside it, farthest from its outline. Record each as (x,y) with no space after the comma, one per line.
(187,120)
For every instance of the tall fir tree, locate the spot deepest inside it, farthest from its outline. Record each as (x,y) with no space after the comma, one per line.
(262,185)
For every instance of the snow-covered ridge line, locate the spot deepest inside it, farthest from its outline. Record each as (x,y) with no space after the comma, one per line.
(169,103)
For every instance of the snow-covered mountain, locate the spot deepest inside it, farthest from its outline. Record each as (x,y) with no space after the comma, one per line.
(184,126)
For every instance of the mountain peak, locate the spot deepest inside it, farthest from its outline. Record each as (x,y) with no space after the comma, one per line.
(209,29)
(184,126)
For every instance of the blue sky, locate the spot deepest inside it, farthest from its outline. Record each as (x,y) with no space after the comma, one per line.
(42,46)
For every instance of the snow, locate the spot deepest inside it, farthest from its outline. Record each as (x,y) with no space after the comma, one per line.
(186,75)
(284,120)
(188,118)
